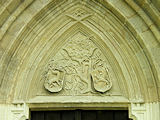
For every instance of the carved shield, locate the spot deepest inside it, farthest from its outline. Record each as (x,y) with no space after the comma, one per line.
(101,82)
(54,81)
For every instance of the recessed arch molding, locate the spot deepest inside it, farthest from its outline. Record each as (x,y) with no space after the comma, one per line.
(62,51)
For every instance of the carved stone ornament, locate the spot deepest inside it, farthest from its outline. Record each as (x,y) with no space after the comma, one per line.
(79,15)
(79,67)
(54,80)
(101,79)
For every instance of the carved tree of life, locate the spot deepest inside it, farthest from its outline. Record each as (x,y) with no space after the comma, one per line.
(80,62)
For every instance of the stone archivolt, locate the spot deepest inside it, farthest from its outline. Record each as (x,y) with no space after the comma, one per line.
(50,31)
(35,37)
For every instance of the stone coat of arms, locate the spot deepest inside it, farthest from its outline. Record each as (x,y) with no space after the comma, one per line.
(79,67)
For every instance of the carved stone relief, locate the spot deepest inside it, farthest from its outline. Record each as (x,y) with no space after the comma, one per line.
(19,111)
(79,67)
(79,15)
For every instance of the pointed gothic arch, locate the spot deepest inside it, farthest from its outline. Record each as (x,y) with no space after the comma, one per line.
(42,30)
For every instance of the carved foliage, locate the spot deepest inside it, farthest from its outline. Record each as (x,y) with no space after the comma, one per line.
(79,67)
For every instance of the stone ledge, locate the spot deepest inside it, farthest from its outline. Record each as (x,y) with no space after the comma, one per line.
(79,99)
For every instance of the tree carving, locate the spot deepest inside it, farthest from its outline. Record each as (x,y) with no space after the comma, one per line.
(79,67)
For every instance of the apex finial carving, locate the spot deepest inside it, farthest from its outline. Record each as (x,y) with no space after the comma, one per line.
(79,67)
(79,15)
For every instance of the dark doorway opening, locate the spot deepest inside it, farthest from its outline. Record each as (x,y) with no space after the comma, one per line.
(80,115)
